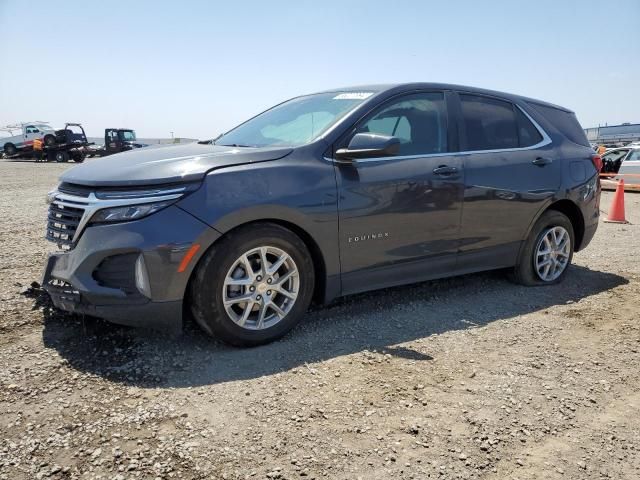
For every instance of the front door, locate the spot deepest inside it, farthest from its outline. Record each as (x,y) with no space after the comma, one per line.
(399,217)
(30,134)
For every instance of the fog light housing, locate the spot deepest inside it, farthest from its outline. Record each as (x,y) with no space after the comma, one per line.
(142,277)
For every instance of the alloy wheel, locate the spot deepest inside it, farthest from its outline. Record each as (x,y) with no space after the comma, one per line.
(261,288)
(552,253)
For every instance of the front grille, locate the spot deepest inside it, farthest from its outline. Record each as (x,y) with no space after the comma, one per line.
(118,271)
(62,223)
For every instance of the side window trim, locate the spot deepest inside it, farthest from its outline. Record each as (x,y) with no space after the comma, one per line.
(546,140)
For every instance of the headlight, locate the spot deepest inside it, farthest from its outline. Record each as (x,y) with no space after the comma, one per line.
(126,205)
(127,213)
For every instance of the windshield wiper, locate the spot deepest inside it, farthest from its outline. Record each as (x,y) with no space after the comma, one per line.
(235,145)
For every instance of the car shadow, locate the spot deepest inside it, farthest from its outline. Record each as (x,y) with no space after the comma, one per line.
(377,321)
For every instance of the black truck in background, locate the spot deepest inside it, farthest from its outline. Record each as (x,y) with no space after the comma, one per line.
(116,140)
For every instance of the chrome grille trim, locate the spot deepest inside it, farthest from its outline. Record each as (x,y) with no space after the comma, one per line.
(69,214)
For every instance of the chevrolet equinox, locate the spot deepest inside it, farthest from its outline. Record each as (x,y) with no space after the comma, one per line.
(322,196)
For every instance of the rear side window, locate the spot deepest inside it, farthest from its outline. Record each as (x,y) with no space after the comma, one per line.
(490,124)
(528,133)
(564,121)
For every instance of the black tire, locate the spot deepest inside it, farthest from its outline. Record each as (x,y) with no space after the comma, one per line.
(49,140)
(62,157)
(78,157)
(10,149)
(525,272)
(206,294)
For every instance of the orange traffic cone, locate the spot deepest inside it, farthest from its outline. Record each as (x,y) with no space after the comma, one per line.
(616,213)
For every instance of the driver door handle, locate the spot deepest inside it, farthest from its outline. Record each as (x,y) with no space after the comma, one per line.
(542,161)
(445,170)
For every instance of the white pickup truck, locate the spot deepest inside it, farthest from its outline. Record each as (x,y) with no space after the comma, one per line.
(20,137)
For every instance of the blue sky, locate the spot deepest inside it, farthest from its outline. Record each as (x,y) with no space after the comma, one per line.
(198,68)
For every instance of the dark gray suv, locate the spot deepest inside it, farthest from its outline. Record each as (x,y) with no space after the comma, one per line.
(324,195)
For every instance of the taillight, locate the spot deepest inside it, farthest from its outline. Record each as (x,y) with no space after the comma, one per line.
(597,161)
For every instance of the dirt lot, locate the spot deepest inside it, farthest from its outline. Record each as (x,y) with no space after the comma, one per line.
(472,377)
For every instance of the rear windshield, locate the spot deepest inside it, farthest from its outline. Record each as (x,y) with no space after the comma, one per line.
(564,121)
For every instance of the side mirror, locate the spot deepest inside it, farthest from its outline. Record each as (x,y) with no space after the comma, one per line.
(369,145)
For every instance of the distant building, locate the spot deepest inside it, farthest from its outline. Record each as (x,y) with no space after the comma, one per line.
(614,134)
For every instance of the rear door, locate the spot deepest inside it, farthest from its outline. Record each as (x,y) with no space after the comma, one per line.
(510,172)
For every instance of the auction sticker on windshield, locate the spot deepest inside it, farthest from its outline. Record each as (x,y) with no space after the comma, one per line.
(353,96)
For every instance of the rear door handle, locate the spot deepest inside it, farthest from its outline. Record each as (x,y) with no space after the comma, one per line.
(542,161)
(445,170)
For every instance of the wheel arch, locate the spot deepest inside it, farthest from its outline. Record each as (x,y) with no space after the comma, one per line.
(317,257)
(572,211)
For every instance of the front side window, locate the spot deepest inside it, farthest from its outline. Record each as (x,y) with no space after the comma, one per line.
(295,122)
(490,124)
(418,120)
(31,129)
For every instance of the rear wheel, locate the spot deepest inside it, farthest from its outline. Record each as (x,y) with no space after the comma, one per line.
(49,140)
(62,157)
(78,157)
(10,149)
(547,254)
(253,286)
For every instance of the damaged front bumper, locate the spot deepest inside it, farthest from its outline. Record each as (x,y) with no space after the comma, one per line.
(130,273)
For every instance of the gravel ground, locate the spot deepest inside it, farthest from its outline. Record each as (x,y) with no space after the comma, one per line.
(471,377)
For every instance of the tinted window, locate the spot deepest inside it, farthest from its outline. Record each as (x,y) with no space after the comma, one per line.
(528,133)
(490,124)
(418,120)
(564,121)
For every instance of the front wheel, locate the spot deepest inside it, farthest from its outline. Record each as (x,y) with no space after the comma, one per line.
(10,149)
(253,286)
(547,253)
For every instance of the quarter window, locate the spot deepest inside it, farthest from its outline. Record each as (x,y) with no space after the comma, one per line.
(528,133)
(490,124)
(418,120)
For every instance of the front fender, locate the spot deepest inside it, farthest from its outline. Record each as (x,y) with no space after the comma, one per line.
(299,192)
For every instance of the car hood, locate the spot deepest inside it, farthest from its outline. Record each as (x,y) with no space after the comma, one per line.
(170,164)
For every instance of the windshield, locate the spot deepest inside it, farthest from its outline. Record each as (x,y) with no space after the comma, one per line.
(295,122)
(128,135)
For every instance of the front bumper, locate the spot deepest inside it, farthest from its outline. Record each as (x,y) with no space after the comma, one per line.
(87,280)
